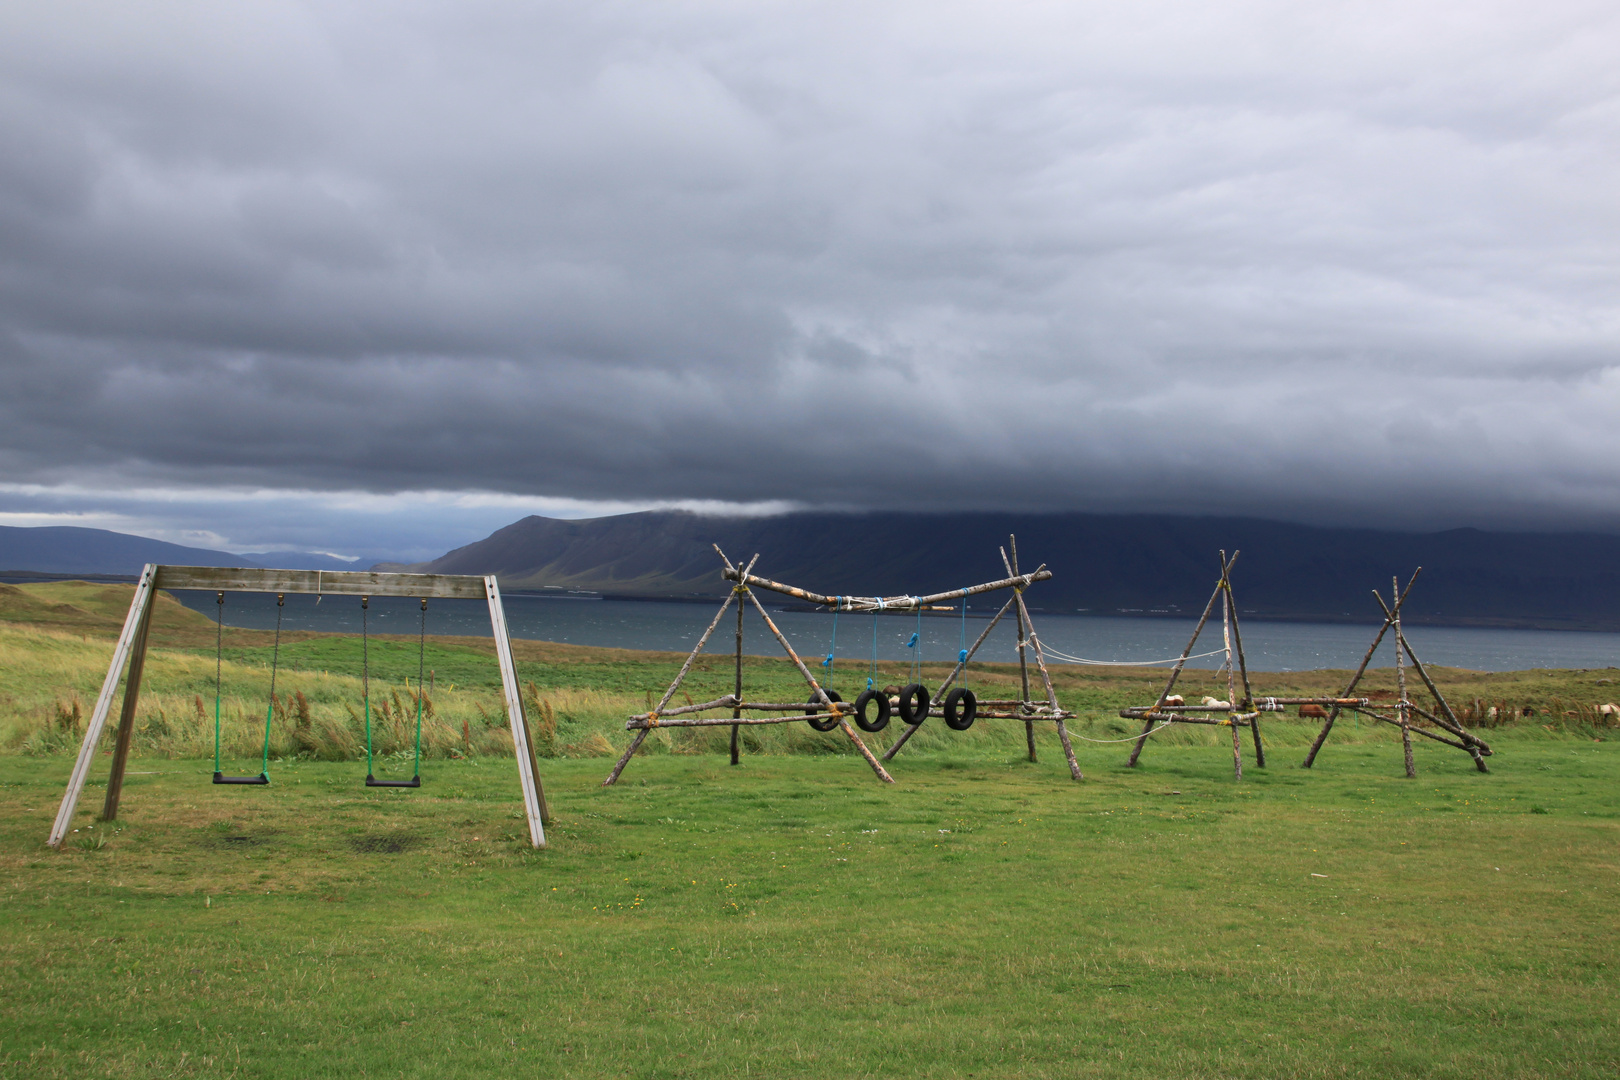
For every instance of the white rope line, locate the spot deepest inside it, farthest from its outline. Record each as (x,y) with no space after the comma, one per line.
(1133,738)
(1049,651)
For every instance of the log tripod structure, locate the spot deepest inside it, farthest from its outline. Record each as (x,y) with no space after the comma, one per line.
(131,648)
(1409,716)
(1234,712)
(823,709)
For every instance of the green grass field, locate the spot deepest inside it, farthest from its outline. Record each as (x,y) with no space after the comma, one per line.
(984,916)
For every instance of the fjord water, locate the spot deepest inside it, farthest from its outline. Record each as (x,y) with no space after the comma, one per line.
(675,627)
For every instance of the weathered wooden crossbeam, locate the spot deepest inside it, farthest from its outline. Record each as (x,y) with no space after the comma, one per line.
(321,582)
(728,702)
(1237,720)
(882,603)
(642,724)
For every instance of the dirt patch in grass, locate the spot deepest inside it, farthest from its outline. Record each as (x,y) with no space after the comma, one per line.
(385,843)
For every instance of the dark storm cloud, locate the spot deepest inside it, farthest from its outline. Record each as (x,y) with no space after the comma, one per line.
(1248,258)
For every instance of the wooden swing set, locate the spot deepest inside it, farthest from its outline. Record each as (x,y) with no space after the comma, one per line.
(131,649)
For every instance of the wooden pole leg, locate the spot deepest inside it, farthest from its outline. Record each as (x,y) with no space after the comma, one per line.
(98,716)
(126,718)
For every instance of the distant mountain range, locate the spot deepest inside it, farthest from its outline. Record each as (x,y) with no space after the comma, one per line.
(54,550)
(1103,564)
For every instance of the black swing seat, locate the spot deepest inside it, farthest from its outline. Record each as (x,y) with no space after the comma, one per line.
(221,778)
(372,781)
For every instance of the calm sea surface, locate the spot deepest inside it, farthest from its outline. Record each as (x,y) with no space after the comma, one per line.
(1269,646)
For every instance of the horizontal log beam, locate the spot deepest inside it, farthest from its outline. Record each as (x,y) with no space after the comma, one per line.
(1031,717)
(731,702)
(1241,720)
(321,582)
(881,603)
(640,724)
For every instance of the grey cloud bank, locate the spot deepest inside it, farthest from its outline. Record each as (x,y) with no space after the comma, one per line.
(1245,258)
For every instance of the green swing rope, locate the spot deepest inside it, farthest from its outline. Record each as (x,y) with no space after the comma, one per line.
(275,664)
(421,662)
(365,675)
(219,653)
(270,709)
(365,684)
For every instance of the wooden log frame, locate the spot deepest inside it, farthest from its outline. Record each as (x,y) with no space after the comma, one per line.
(1405,709)
(1361,669)
(642,723)
(1024,708)
(1046,676)
(745,582)
(1241,712)
(131,648)
(1175,672)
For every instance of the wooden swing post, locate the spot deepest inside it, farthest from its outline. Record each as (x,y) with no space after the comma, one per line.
(132,647)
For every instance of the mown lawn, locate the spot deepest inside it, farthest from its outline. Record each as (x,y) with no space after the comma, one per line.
(793,917)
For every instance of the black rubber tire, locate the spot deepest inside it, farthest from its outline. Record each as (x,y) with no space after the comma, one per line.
(861,702)
(828,723)
(914,703)
(961,706)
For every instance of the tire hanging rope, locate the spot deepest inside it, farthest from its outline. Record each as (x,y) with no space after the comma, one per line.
(961,705)
(831,648)
(914,700)
(270,709)
(961,654)
(871,673)
(915,645)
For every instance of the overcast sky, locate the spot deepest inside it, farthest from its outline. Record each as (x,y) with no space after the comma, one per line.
(378,278)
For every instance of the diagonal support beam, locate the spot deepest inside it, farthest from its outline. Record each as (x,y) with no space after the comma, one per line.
(133,622)
(816,688)
(1389,620)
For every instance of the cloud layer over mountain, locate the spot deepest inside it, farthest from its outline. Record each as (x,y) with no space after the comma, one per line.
(1318,262)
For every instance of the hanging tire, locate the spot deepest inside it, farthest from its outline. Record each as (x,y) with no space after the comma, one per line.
(961,706)
(882,719)
(826,723)
(914,703)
